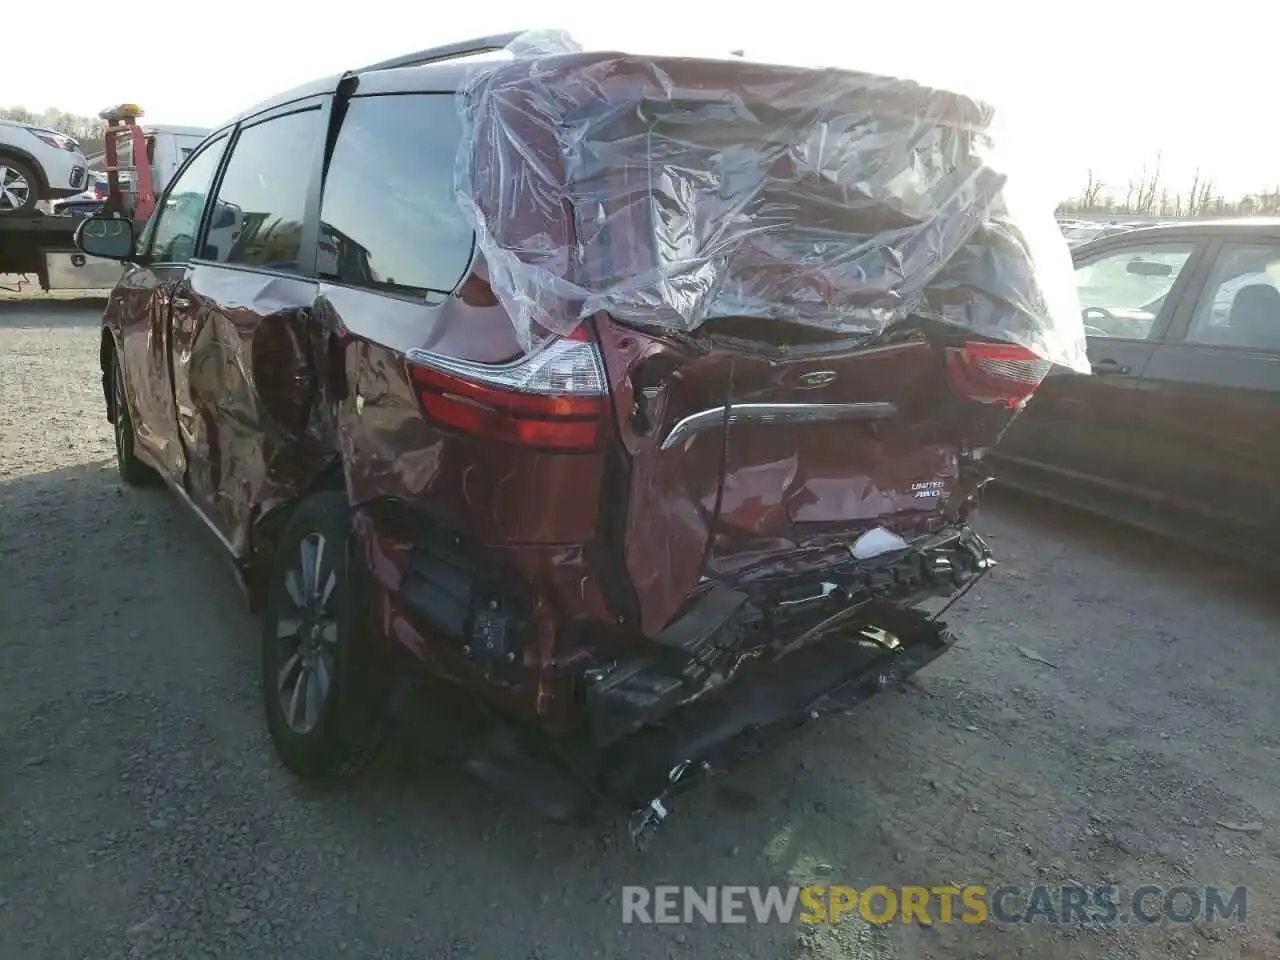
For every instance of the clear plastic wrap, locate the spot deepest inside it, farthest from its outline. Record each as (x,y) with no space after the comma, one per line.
(669,190)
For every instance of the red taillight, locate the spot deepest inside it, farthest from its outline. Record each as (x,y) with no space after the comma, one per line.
(1003,373)
(553,399)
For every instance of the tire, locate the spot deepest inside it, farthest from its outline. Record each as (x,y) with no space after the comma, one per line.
(132,470)
(322,691)
(19,186)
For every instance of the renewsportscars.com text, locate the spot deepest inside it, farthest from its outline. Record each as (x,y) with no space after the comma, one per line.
(947,903)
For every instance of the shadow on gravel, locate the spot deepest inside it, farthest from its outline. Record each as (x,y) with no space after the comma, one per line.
(140,555)
(1162,556)
(84,553)
(131,738)
(28,501)
(159,652)
(60,312)
(145,813)
(512,882)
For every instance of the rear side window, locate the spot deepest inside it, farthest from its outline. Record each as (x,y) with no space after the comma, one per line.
(259,210)
(389,220)
(1240,306)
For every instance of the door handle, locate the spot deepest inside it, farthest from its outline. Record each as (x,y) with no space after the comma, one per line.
(181,302)
(1110,367)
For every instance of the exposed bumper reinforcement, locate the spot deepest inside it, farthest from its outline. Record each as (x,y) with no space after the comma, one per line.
(704,647)
(829,675)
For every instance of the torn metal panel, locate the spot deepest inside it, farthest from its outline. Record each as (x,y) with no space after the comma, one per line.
(246,382)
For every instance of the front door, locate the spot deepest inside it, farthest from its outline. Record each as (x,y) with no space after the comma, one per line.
(147,297)
(1082,425)
(244,377)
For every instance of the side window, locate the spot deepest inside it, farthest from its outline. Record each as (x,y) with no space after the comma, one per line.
(258,213)
(389,220)
(1240,305)
(1122,291)
(173,238)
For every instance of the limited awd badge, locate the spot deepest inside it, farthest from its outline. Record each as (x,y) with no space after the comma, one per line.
(816,378)
(927,489)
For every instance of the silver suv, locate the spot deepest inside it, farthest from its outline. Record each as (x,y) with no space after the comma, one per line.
(37,164)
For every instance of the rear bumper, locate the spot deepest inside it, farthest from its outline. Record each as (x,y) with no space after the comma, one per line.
(528,630)
(568,778)
(771,698)
(726,629)
(729,676)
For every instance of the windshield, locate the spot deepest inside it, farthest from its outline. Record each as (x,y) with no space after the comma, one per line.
(1121,283)
(1122,292)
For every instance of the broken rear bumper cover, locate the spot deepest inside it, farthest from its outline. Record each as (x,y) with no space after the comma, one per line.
(726,627)
(729,668)
(826,676)
(741,663)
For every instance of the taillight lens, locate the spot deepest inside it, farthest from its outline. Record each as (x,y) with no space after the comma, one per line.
(1002,373)
(554,399)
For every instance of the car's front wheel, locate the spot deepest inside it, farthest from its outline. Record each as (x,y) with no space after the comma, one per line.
(132,470)
(324,704)
(19,186)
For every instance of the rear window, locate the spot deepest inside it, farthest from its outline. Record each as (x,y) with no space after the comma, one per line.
(389,220)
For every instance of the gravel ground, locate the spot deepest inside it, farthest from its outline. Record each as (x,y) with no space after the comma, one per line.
(142,812)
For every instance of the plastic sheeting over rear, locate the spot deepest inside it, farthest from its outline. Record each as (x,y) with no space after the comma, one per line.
(670,190)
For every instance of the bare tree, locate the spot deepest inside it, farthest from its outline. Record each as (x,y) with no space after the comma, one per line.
(1148,189)
(1205,199)
(72,124)
(1092,192)
(1268,201)
(1145,196)
(1193,197)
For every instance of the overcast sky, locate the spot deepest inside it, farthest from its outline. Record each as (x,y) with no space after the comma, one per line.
(1102,83)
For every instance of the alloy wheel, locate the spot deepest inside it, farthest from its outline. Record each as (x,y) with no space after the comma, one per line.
(307,635)
(15,189)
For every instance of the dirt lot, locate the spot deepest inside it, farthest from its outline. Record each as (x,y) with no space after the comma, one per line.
(142,812)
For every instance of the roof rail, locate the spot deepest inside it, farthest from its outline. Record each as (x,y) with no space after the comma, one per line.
(450,51)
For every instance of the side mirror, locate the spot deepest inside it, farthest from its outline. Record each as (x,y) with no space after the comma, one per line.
(104,236)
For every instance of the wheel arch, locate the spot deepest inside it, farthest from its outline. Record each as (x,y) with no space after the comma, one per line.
(106,357)
(17,153)
(269,524)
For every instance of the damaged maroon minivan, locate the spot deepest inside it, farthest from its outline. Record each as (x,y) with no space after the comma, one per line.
(602,414)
